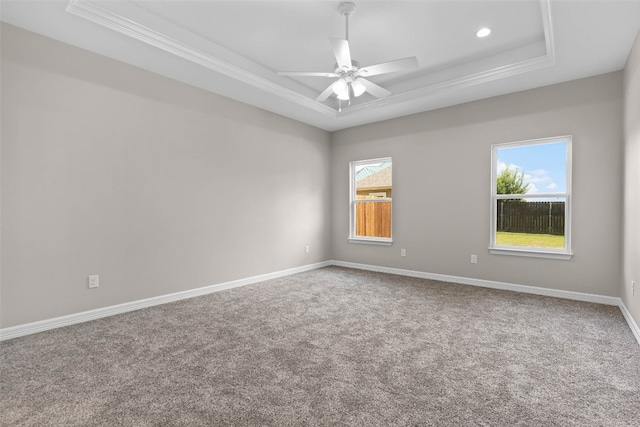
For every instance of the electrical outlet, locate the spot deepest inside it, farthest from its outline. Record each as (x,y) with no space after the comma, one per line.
(403,252)
(94,281)
(474,259)
(306,249)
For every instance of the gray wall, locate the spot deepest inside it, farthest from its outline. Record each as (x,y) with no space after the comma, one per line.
(156,186)
(441,185)
(631,241)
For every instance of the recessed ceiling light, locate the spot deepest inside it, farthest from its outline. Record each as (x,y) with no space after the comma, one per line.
(483,32)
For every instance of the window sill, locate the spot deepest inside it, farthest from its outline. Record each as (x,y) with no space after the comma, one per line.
(371,241)
(531,253)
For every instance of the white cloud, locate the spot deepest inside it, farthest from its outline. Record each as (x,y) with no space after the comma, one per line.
(538,175)
(502,166)
(535,178)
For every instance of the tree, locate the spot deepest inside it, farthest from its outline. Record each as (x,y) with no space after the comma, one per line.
(511,182)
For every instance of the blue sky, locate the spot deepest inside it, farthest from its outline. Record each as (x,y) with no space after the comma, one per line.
(543,165)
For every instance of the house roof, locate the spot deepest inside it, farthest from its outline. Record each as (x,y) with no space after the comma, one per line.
(370,170)
(378,176)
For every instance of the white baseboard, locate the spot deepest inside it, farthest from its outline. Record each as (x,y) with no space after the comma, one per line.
(632,324)
(44,325)
(579,296)
(85,316)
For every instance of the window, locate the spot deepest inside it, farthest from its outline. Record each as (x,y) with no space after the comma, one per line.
(531,198)
(370,201)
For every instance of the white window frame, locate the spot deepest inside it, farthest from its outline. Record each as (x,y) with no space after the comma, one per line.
(560,253)
(352,204)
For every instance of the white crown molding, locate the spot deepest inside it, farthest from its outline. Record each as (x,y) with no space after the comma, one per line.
(120,24)
(85,316)
(459,83)
(547,25)
(128,27)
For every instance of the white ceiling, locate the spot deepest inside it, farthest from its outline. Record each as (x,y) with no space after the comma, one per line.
(234,48)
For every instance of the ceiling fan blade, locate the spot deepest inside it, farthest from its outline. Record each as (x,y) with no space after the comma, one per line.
(404,64)
(306,74)
(374,89)
(325,94)
(342,53)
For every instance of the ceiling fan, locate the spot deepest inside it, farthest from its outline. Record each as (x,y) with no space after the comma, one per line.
(351,81)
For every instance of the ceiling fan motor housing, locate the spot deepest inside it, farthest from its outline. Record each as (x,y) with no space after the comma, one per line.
(343,72)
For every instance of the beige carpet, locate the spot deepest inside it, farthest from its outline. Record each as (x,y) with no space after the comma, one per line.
(332,347)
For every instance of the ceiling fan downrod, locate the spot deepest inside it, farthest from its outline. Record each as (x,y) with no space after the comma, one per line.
(345,93)
(347,9)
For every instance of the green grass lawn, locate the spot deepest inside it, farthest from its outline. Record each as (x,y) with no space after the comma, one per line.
(526,239)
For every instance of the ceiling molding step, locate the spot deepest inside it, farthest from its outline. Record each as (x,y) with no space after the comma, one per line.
(505,71)
(459,83)
(547,25)
(130,28)
(120,24)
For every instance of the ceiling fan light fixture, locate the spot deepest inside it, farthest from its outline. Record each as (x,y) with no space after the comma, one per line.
(340,87)
(358,88)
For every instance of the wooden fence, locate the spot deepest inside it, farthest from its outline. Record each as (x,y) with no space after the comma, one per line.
(373,219)
(516,216)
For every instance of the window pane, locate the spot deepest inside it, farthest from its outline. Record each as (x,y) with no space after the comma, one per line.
(531,222)
(373,180)
(532,168)
(373,219)
(371,200)
(532,191)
